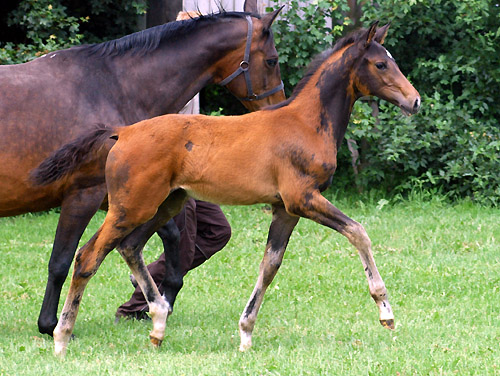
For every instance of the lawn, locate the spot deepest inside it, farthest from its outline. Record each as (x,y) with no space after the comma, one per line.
(440,263)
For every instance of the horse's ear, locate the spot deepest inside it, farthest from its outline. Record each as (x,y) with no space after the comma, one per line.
(250,6)
(382,33)
(268,18)
(371,33)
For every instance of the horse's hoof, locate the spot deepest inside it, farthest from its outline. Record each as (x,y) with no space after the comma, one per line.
(155,341)
(244,348)
(388,324)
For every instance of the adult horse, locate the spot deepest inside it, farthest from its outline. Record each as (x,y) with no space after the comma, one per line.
(49,101)
(284,156)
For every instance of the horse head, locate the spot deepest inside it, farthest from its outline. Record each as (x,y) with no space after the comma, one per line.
(252,71)
(376,72)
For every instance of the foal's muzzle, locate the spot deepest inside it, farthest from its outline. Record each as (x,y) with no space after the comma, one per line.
(411,106)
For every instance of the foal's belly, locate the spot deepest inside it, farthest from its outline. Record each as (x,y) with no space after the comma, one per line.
(229,193)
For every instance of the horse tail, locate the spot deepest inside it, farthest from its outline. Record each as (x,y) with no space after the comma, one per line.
(73,155)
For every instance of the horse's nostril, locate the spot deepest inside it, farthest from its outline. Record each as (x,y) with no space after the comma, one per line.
(416,105)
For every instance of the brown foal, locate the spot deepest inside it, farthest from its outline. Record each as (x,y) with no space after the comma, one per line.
(284,155)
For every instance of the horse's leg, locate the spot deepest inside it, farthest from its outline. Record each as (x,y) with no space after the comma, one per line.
(88,259)
(314,206)
(281,228)
(131,250)
(173,279)
(76,211)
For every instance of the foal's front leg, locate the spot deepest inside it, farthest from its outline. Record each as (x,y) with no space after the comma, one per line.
(320,210)
(281,228)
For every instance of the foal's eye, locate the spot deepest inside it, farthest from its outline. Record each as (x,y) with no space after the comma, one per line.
(381,65)
(272,62)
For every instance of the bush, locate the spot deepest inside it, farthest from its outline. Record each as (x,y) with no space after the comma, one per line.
(302,31)
(450,52)
(443,148)
(50,25)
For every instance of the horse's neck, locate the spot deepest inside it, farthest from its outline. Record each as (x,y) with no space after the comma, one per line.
(164,80)
(327,102)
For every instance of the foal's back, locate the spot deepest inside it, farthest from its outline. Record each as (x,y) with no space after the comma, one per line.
(227,159)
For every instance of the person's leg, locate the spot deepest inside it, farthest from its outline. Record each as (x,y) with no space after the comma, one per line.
(213,232)
(137,306)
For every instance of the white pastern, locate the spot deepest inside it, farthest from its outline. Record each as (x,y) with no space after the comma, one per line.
(246,340)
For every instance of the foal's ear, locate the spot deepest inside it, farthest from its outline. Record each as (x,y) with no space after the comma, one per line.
(250,6)
(382,33)
(268,18)
(371,33)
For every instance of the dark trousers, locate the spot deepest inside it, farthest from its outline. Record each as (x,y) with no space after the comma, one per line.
(204,231)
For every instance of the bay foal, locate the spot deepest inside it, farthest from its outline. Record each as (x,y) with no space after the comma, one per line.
(284,156)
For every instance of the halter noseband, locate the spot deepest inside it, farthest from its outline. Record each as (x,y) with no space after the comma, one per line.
(243,68)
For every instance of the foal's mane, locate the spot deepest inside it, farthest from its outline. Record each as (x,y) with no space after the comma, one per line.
(148,40)
(318,60)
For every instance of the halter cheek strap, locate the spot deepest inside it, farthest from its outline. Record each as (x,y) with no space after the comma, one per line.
(244,67)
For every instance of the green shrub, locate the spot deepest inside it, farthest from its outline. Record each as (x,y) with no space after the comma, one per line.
(441,148)
(449,50)
(50,25)
(303,31)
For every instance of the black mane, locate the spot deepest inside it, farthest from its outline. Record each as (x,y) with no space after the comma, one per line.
(148,40)
(318,60)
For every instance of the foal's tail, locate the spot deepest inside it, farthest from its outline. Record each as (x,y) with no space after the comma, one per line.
(73,155)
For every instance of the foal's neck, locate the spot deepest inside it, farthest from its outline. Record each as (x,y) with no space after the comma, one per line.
(331,96)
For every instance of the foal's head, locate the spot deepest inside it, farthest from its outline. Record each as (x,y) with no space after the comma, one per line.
(376,72)
(252,71)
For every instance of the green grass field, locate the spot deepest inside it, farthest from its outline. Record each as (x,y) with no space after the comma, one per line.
(440,263)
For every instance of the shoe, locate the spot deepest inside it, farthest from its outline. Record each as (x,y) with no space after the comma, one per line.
(138,315)
(133,281)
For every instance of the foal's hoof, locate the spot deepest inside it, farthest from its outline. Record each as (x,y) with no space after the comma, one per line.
(388,324)
(155,341)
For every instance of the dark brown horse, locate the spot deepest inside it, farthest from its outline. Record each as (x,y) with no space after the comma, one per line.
(49,101)
(284,156)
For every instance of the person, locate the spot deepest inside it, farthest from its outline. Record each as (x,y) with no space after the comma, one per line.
(204,230)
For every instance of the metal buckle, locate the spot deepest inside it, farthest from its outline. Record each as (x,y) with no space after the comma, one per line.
(244,65)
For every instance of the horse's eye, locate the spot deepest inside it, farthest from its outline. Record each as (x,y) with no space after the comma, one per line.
(272,62)
(381,65)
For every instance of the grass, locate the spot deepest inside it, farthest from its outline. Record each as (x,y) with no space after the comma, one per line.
(440,263)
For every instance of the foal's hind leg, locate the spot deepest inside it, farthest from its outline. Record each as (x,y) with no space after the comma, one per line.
(131,250)
(281,228)
(320,210)
(87,261)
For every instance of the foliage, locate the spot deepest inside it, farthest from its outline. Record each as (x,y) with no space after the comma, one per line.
(48,27)
(51,25)
(302,31)
(454,143)
(456,153)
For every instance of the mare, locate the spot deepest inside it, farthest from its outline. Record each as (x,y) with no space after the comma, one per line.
(49,101)
(284,155)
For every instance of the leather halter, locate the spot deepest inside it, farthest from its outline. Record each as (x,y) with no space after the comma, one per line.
(244,67)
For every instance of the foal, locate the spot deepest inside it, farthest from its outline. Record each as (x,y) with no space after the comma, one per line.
(284,156)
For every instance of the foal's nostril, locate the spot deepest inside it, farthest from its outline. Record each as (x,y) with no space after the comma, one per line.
(416,105)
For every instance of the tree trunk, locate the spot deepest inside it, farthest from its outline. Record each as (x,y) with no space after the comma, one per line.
(162,11)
